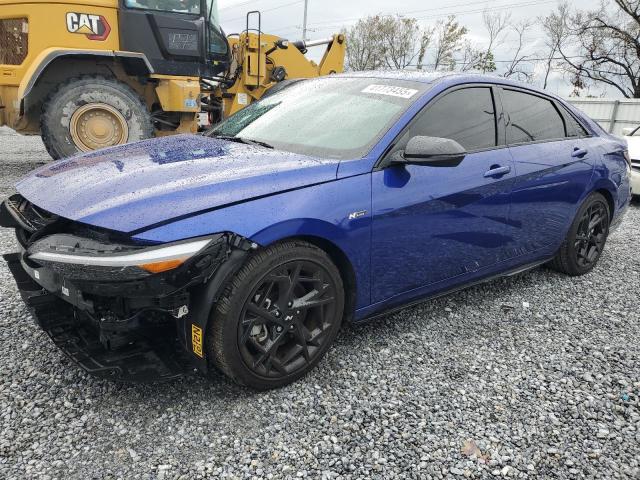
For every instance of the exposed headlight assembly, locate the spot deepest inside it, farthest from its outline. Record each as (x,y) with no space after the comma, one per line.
(71,253)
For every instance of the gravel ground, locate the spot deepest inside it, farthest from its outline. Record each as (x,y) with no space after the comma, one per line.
(532,376)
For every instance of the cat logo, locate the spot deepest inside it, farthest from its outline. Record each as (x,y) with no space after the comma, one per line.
(95,27)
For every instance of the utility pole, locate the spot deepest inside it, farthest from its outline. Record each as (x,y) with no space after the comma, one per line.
(304,24)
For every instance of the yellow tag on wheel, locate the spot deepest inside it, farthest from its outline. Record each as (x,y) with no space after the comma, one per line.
(196,340)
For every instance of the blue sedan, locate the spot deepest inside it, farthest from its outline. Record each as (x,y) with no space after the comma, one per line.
(333,200)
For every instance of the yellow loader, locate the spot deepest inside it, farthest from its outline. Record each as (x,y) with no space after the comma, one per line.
(88,74)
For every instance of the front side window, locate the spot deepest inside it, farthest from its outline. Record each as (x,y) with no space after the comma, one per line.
(466,116)
(178,6)
(531,118)
(328,117)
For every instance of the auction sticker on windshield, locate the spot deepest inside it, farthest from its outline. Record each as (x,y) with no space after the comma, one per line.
(390,90)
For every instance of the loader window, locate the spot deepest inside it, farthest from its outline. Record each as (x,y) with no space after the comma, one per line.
(217,42)
(177,6)
(328,117)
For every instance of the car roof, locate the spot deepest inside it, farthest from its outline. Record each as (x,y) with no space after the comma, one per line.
(412,75)
(432,78)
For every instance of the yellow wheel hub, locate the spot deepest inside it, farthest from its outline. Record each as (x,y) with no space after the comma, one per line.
(98,125)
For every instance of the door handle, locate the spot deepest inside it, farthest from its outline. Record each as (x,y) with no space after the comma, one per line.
(497,170)
(579,152)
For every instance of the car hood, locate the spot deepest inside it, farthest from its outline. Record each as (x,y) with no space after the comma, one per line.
(130,187)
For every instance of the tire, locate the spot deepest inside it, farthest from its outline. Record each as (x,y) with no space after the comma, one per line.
(253,349)
(571,258)
(66,112)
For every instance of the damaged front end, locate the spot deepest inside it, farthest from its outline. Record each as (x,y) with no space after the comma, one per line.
(119,308)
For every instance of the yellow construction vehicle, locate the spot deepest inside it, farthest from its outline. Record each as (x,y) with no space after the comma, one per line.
(88,74)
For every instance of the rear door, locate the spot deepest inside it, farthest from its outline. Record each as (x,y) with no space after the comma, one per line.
(431,224)
(553,165)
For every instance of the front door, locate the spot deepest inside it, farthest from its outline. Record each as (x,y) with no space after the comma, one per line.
(431,224)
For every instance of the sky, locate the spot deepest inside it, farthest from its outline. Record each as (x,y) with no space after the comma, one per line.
(325,17)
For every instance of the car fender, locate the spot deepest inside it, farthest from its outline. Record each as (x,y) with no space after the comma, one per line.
(337,212)
(204,297)
(611,174)
(618,195)
(297,227)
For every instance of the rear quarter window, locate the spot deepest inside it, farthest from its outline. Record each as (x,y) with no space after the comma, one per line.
(574,127)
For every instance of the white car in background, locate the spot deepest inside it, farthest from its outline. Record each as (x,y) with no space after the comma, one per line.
(632,136)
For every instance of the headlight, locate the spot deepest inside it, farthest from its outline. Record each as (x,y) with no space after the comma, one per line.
(82,252)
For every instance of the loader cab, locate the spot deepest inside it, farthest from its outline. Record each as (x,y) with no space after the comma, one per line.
(178,37)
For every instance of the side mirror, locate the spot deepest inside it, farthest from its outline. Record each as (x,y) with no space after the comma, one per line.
(431,151)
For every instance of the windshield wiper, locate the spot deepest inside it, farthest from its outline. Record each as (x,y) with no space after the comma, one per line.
(246,141)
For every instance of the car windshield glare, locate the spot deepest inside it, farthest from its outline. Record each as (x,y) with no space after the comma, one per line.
(338,118)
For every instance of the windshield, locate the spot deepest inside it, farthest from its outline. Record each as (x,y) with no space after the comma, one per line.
(178,6)
(327,117)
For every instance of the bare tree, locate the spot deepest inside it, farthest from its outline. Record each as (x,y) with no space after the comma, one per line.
(603,46)
(365,47)
(496,24)
(554,26)
(403,41)
(385,41)
(477,59)
(425,42)
(480,58)
(516,68)
(449,40)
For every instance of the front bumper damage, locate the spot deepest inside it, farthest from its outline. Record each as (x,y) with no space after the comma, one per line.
(119,324)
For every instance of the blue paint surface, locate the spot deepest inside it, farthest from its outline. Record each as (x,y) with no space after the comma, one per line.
(424,230)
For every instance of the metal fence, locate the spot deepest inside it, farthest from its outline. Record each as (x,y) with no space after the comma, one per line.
(613,115)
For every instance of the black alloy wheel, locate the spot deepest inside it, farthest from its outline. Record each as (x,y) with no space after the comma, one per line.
(278,317)
(287,318)
(586,238)
(591,234)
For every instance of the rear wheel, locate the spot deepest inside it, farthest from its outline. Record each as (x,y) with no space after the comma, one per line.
(90,113)
(586,239)
(278,317)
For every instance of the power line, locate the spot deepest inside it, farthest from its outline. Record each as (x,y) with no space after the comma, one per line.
(520,60)
(501,7)
(410,12)
(267,10)
(527,3)
(238,5)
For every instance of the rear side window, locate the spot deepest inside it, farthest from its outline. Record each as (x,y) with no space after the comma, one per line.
(466,116)
(531,118)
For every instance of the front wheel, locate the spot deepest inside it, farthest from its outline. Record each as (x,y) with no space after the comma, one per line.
(278,317)
(586,239)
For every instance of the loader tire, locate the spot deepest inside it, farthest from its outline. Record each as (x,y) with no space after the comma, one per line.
(90,113)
